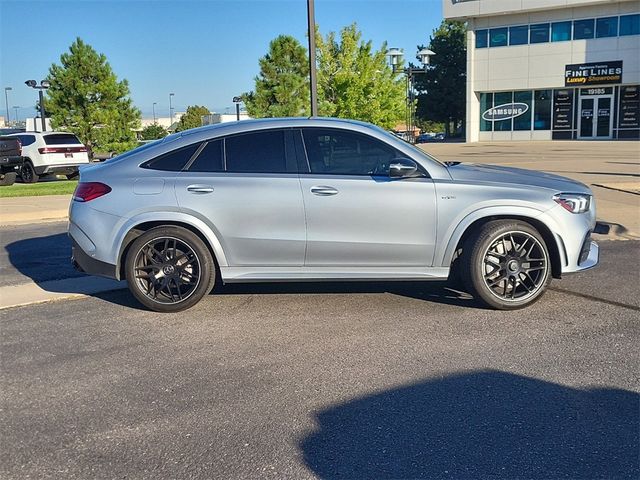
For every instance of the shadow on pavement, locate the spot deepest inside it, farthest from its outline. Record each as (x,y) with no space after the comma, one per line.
(484,424)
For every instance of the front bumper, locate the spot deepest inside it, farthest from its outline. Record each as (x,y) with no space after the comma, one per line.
(592,258)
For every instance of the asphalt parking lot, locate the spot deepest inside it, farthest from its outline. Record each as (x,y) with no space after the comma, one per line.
(366,380)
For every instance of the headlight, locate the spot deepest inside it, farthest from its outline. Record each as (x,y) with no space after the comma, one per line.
(573,202)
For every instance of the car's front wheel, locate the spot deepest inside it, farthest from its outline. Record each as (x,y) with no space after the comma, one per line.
(507,264)
(169,269)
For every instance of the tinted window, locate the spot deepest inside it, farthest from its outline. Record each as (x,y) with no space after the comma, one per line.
(539,33)
(542,113)
(523,122)
(486,102)
(258,152)
(502,98)
(606,27)
(173,161)
(498,37)
(338,152)
(26,139)
(630,24)
(61,139)
(560,31)
(519,35)
(583,29)
(209,159)
(482,38)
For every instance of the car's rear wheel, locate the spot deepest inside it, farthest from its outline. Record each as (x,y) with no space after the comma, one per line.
(507,264)
(169,269)
(28,173)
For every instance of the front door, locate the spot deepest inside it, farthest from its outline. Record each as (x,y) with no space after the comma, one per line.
(595,117)
(357,216)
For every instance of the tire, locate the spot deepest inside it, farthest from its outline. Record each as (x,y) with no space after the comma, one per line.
(172,253)
(7,179)
(28,173)
(507,265)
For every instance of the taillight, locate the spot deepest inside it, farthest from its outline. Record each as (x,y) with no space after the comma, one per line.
(19,147)
(62,149)
(88,191)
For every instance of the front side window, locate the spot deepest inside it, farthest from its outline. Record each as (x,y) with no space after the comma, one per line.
(542,110)
(337,152)
(172,161)
(583,29)
(498,37)
(560,31)
(607,27)
(209,159)
(482,38)
(519,35)
(256,152)
(630,24)
(539,33)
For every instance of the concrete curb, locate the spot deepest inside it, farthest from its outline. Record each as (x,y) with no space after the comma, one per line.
(31,293)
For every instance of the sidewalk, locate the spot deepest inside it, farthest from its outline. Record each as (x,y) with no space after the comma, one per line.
(611,169)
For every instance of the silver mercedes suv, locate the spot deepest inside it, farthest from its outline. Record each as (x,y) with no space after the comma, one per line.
(322,199)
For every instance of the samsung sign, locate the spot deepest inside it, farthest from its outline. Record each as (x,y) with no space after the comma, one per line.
(505,112)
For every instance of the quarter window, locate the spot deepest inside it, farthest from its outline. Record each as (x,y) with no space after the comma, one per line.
(539,33)
(209,159)
(256,152)
(560,31)
(583,29)
(630,24)
(335,152)
(498,37)
(172,161)
(26,139)
(606,27)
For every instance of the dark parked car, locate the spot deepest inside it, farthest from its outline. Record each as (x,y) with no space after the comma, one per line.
(10,159)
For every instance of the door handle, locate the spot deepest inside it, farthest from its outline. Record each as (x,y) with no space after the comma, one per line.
(200,189)
(323,191)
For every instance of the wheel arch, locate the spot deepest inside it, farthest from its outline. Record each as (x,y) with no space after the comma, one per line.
(553,242)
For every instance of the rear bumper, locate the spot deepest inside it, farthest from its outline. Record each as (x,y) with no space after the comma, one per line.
(10,163)
(82,262)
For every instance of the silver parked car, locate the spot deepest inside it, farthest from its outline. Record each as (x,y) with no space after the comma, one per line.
(322,199)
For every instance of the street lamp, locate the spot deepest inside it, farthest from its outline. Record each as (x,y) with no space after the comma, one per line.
(237,101)
(153,107)
(396,60)
(170,110)
(313,83)
(6,102)
(44,84)
(16,110)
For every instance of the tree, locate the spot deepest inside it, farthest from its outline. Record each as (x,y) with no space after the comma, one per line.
(354,81)
(87,99)
(192,118)
(442,89)
(282,86)
(153,132)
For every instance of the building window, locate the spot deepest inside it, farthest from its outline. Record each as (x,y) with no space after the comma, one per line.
(630,24)
(519,35)
(539,33)
(502,98)
(606,27)
(498,37)
(583,29)
(542,110)
(486,102)
(560,31)
(482,38)
(523,122)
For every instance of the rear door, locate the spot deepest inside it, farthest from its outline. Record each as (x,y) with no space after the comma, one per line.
(246,186)
(356,214)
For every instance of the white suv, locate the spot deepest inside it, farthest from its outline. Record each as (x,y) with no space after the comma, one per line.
(46,153)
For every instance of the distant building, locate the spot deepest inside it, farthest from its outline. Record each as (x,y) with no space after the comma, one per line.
(163,121)
(551,69)
(216,118)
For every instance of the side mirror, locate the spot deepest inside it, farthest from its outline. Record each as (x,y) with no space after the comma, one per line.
(402,167)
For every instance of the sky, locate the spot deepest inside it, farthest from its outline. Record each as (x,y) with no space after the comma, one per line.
(205,52)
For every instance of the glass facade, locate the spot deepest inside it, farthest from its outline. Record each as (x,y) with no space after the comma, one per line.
(523,122)
(542,110)
(582,29)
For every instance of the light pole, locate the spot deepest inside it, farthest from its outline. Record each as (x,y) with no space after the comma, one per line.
(16,110)
(170,110)
(44,84)
(313,87)
(396,56)
(153,107)
(237,101)
(6,101)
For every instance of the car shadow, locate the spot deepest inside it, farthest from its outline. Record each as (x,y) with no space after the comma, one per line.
(481,424)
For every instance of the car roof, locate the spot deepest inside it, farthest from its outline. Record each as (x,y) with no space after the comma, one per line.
(33,132)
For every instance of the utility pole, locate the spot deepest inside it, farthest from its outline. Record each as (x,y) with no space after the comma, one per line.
(312,58)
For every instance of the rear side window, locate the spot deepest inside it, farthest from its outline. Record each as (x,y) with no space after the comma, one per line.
(257,152)
(61,139)
(172,161)
(210,159)
(26,139)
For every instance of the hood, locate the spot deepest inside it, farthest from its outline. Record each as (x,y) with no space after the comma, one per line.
(477,173)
